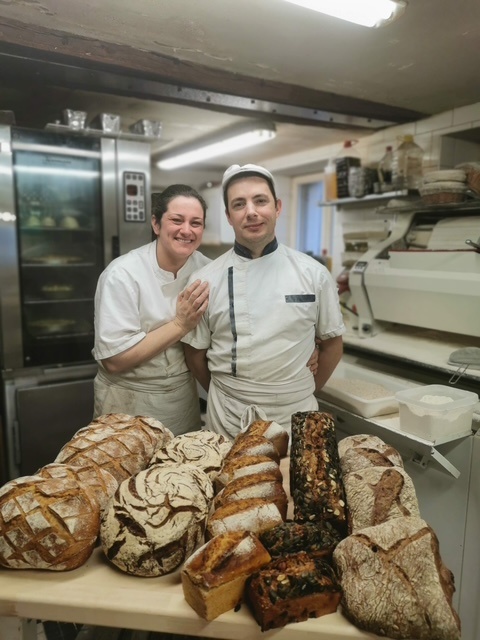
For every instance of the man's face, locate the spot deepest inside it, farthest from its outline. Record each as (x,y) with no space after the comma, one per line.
(181,228)
(252,212)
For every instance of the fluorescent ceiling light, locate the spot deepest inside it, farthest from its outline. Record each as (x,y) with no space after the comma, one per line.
(369,13)
(241,136)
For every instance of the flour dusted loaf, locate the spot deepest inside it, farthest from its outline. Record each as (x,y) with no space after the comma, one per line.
(48,521)
(273,431)
(316,482)
(99,482)
(394,582)
(240,466)
(291,589)
(361,451)
(156,519)
(121,444)
(246,444)
(214,577)
(377,494)
(259,485)
(255,515)
(318,539)
(204,449)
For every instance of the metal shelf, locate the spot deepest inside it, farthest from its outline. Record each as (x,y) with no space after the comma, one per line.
(373,197)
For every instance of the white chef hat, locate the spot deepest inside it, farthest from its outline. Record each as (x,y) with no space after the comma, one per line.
(235,170)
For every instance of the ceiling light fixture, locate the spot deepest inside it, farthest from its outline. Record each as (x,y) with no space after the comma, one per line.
(239,136)
(369,13)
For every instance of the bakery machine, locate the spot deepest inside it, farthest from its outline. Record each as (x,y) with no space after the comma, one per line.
(415,300)
(70,202)
(425,274)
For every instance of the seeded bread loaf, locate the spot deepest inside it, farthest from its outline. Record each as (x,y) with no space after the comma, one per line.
(255,515)
(156,519)
(47,523)
(204,449)
(318,539)
(394,581)
(377,494)
(273,432)
(259,485)
(240,466)
(292,589)
(359,452)
(214,576)
(316,484)
(123,447)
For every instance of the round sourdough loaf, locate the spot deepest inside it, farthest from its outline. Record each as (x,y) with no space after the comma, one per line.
(377,494)
(92,478)
(156,519)
(47,523)
(394,581)
(123,447)
(204,449)
(367,451)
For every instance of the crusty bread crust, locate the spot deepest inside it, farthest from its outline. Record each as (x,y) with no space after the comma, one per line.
(213,578)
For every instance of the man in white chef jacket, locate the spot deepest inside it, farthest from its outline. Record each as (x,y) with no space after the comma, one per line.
(267,305)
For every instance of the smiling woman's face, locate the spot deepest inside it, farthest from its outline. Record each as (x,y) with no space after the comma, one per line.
(180,231)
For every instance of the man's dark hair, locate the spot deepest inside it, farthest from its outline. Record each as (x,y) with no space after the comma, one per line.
(247,174)
(161,199)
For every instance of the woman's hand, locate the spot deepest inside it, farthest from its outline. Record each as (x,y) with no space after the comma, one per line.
(191,305)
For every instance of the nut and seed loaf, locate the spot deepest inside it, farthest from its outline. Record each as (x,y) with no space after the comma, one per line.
(291,589)
(316,484)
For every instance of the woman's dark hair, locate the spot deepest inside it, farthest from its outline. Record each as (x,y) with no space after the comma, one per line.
(161,199)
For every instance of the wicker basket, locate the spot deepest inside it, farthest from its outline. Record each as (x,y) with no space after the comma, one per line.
(472,170)
(444,197)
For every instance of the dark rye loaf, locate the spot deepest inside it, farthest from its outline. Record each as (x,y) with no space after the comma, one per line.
(394,582)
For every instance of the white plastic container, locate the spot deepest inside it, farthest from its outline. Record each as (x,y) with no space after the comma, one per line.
(341,389)
(436,412)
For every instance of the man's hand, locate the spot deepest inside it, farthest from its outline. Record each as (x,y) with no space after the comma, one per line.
(312,363)
(191,305)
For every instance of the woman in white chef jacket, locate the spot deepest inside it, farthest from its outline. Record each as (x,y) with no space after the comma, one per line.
(142,310)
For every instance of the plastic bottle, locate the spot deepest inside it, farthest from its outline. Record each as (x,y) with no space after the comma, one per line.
(385,170)
(330,181)
(407,165)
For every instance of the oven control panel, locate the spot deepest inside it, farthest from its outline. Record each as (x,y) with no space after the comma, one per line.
(134,196)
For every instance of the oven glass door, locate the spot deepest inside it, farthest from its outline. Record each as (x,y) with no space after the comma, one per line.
(58,199)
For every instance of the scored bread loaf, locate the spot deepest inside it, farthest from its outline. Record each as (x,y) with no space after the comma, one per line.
(251,445)
(156,519)
(47,522)
(123,448)
(204,449)
(316,484)
(318,539)
(359,452)
(240,466)
(255,515)
(291,589)
(98,481)
(394,581)
(274,432)
(377,494)
(259,485)
(214,576)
